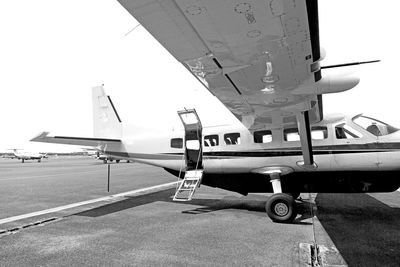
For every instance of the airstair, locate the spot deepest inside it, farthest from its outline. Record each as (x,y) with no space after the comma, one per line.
(193,156)
(188,186)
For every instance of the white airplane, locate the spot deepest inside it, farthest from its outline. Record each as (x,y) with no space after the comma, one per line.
(261,59)
(24,155)
(96,153)
(106,158)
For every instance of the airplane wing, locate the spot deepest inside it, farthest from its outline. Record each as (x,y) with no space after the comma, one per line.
(260,58)
(98,143)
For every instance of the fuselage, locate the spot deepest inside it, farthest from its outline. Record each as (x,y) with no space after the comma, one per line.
(340,146)
(28,155)
(233,149)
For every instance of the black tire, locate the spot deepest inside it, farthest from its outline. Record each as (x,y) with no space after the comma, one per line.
(295,195)
(117,160)
(23,160)
(281,208)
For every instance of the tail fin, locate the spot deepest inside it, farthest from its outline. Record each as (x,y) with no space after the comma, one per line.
(106,121)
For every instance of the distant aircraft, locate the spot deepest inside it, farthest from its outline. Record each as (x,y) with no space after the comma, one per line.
(261,59)
(96,153)
(106,158)
(28,155)
(8,156)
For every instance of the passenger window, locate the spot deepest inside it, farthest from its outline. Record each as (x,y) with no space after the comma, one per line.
(211,140)
(232,138)
(319,132)
(264,136)
(291,134)
(177,143)
(344,131)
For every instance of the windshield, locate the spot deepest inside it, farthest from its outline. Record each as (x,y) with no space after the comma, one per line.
(374,126)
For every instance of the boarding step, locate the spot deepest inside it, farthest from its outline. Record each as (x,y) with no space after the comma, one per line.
(188,185)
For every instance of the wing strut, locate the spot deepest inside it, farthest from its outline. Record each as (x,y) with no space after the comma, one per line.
(303,123)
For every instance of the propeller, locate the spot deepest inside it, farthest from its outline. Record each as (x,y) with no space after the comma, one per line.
(349,64)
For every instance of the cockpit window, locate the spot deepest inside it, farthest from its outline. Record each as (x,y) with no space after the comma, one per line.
(344,131)
(373,126)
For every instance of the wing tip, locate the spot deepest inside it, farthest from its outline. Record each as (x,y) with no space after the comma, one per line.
(40,136)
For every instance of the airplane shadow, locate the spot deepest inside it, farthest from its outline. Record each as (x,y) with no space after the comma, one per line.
(207,205)
(128,203)
(364,230)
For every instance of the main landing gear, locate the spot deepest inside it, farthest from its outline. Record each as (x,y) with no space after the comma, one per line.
(280,207)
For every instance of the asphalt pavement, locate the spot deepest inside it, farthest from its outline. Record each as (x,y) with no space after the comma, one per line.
(146,228)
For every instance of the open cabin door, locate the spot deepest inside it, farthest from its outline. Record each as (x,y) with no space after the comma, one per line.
(193,135)
(193,155)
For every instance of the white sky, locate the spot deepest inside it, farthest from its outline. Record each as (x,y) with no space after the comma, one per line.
(53,52)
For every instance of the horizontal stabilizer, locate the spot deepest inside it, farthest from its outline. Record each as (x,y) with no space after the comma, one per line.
(80,141)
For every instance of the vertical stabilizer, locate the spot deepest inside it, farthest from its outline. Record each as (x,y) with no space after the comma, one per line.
(106,121)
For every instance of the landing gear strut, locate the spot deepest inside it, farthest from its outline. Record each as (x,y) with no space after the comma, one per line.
(280,207)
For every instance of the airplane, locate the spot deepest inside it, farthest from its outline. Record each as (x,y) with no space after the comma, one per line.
(261,59)
(107,158)
(101,156)
(8,156)
(28,155)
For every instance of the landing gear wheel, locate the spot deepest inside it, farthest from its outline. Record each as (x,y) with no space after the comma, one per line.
(117,161)
(281,208)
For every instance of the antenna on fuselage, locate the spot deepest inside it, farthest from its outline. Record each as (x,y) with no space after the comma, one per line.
(134,28)
(349,64)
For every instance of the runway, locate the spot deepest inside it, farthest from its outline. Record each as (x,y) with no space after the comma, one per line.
(63,215)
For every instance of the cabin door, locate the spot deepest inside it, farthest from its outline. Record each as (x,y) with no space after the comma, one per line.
(193,139)
(354,149)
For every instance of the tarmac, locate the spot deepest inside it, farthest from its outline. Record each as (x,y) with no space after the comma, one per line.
(59,213)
